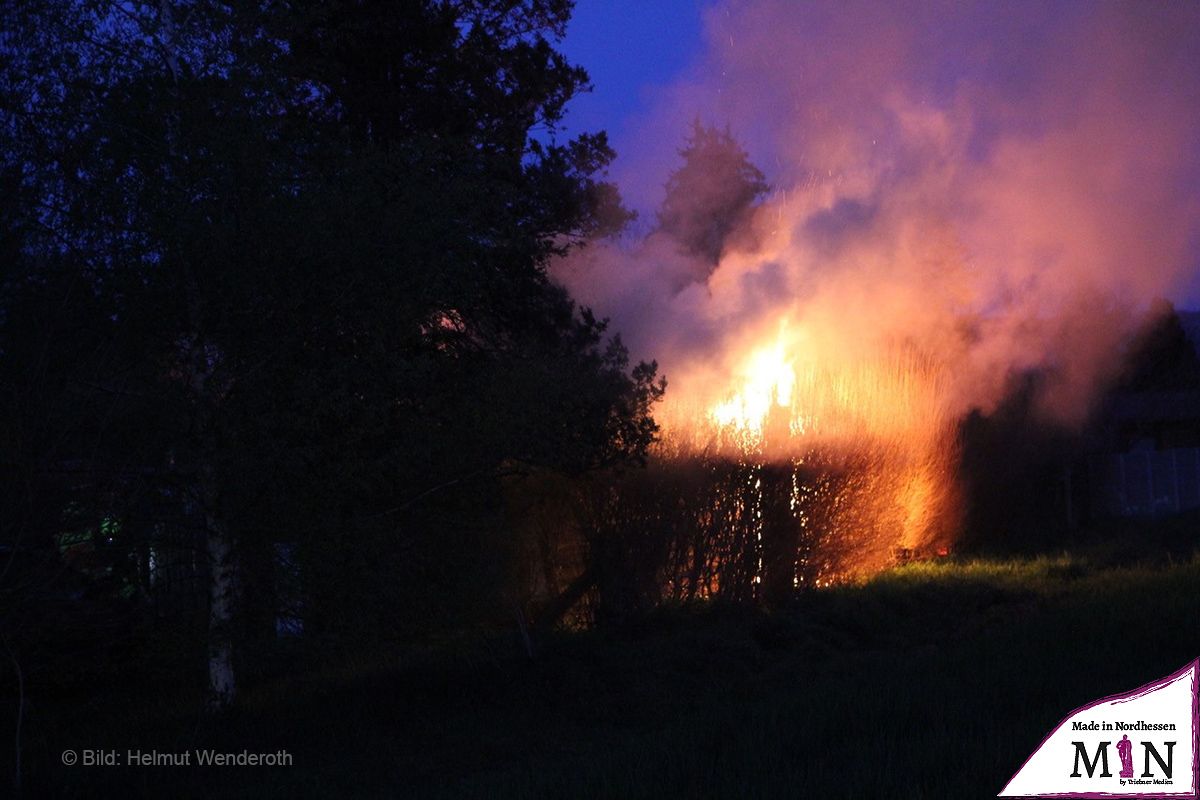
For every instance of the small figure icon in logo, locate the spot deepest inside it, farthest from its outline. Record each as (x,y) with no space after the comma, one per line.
(1125,751)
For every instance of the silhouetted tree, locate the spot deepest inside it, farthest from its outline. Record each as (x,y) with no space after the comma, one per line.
(289,264)
(1161,357)
(711,195)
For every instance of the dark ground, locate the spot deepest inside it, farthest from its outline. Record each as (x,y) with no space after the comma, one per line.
(933,680)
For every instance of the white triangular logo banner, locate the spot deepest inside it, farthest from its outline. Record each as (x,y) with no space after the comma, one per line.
(1138,744)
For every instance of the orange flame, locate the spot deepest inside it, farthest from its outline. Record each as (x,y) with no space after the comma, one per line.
(880,424)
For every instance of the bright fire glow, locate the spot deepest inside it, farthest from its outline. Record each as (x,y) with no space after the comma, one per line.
(864,443)
(768,380)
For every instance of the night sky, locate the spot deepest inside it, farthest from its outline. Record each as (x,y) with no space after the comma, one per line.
(628,47)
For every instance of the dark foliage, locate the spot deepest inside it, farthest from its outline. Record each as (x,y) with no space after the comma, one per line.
(711,195)
(1161,357)
(274,282)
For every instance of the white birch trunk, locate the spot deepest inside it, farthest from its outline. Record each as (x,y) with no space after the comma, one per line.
(222,562)
(205,390)
(222,685)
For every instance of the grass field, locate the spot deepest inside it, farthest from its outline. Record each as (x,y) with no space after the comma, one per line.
(934,680)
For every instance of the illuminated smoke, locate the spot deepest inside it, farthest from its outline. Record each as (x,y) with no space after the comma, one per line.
(961,192)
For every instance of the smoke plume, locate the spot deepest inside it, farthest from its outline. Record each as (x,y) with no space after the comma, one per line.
(990,188)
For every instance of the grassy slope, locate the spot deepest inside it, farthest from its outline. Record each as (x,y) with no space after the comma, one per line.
(929,681)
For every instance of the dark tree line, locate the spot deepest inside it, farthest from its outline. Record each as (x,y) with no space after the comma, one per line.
(276,274)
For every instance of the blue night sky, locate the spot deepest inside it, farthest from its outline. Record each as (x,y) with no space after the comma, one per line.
(628,46)
(632,50)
